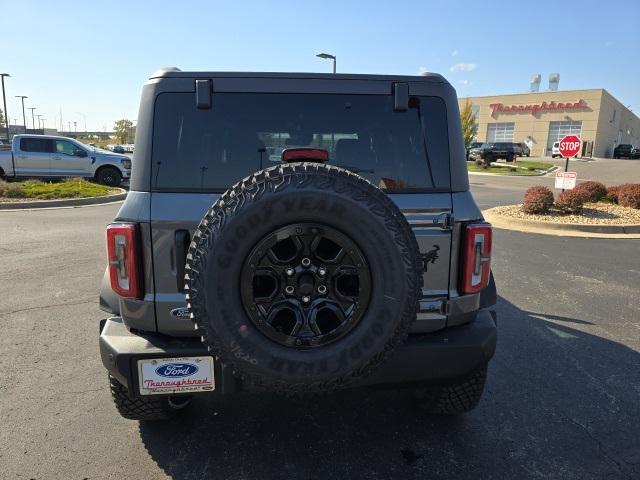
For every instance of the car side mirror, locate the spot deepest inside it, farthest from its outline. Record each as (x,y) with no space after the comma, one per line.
(81,153)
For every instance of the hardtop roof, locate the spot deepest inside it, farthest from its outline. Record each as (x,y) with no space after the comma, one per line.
(172,72)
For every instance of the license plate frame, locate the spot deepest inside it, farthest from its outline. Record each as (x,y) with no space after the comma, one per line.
(174,375)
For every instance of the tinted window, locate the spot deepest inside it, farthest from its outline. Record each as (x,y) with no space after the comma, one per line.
(209,150)
(41,145)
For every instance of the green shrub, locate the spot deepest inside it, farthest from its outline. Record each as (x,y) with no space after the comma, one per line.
(591,191)
(537,200)
(570,201)
(629,195)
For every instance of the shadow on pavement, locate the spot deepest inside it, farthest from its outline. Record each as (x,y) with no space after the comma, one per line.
(559,403)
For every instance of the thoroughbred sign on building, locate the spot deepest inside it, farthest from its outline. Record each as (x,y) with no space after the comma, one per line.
(539,119)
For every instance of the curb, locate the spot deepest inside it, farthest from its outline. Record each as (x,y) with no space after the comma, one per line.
(561,229)
(541,174)
(67,202)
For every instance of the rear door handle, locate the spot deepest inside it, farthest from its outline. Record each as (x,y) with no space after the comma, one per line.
(182,241)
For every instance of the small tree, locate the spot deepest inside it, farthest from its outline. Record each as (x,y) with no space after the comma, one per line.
(469,123)
(1,118)
(122,129)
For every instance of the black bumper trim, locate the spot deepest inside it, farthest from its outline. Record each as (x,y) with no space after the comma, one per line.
(450,353)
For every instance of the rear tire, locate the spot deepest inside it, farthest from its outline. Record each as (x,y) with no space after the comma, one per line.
(453,398)
(109,176)
(145,409)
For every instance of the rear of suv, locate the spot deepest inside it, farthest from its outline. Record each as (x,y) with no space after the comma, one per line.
(297,233)
(491,151)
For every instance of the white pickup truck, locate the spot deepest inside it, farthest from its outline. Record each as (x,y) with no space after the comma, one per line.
(45,156)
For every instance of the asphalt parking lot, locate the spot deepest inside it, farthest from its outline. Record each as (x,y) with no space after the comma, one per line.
(562,399)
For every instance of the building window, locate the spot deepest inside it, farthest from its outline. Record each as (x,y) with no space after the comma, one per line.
(475,109)
(500,132)
(557,130)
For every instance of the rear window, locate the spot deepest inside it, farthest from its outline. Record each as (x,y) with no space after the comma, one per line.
(209,150)
(41,145)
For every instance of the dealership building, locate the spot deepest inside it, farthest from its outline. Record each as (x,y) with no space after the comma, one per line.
(541,118)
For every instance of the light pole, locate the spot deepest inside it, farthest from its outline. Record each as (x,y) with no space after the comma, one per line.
(43,125)
(84,117)
(33,121)
(4,100)
(24,117)
(328,56)
(39,121)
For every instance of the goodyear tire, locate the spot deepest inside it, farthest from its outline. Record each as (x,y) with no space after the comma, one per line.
(303,277)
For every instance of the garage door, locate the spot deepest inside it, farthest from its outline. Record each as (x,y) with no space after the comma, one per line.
(500,132)
(557,130)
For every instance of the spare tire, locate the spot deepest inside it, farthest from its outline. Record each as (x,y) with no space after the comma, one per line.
(303,277)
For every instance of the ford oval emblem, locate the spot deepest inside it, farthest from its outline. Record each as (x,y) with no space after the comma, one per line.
(176,370)
(180,313)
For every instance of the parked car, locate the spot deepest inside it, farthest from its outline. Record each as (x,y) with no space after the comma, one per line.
(305,276)
(472,145)
(635,153)
(44,156)
(118,149)
(623,151)
(555,150)
(524,150)
(489,152)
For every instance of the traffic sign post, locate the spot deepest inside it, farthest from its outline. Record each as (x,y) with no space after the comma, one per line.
(569,147)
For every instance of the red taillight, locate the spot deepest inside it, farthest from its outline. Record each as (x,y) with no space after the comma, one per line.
(304,153)
(122,254)
(476,264)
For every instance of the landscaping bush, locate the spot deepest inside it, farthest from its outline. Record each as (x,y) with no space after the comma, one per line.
(629,195)
(612,194)
(10,190)
(537,200)
(570,201)
(591,191)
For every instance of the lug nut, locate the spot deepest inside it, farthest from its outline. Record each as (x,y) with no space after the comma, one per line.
(322,289)
(289,290)
(289,272)
(322,271)
(306,299)
(306,262)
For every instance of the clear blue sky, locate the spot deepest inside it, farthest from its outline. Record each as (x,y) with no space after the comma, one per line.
(92,58)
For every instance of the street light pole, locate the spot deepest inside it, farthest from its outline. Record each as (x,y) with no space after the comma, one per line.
(4,100)
(39,121)
(33,120)
(24,117)
(328,56)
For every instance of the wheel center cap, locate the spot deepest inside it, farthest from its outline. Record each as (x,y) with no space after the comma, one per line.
(305,284)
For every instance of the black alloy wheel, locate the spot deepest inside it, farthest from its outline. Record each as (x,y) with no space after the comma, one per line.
(305,285)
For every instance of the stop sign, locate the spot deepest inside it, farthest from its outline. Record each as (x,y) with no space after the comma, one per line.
(570,146)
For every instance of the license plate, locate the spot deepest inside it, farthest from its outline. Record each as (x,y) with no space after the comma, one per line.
(165,376)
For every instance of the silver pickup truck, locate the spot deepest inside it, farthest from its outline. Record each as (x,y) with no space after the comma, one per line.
(44,156)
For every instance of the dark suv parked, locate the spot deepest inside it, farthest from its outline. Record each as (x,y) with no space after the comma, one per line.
(358,259)
(488,152)
(623,150)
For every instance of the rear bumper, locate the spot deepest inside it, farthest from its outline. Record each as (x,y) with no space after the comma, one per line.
(451,353)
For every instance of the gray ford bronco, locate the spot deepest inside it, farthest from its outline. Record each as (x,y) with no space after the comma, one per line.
(297,233)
